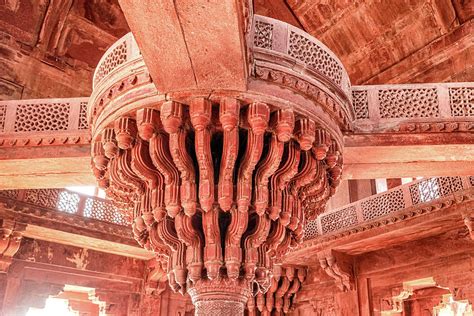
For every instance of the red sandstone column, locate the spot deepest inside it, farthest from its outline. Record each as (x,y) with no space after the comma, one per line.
(220,297)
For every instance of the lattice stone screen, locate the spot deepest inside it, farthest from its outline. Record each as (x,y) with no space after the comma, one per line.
(291,43)
(104,211)
(42,117)
(360,104)
(462,101)
(263,35)
(70,202)
(414,101)
(408,103)
(83,124)
(343,218)
(383,204)
(407,196)
(3,114)
(315,56)
(35,119)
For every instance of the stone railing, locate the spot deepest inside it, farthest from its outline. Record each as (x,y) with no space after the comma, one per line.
(386,106)
(412,194)
(292,43)
(43,121)
(120,53)
(70,202)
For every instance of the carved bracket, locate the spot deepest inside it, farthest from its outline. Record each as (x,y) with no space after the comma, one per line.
(340,267)
(10,239)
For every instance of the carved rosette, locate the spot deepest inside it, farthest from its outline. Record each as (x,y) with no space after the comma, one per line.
(220,189)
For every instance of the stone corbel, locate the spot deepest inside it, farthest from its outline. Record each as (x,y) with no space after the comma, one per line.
(340,267)
(10,239)
(156,279)
(469,222)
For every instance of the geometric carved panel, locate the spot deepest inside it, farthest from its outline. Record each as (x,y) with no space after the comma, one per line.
(104,211)
(117,57)
(311,230)
(384,204)
(408,103)
(3,114)
(42,117)
(461,101)
(83,116)
(434,188)
(360,104)
(312,55)
(340,219)
(263,35)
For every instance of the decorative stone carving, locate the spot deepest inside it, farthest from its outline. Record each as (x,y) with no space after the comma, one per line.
(10,239)
(151,173)
(340,267)
(281,293)
(220,185)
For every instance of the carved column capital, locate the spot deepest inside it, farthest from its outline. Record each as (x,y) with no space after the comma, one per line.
(340,267)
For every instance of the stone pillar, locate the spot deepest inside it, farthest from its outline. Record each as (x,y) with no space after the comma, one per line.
(220,297)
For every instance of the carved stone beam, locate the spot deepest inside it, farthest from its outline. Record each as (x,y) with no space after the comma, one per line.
(162,160)
(147,121)
(200,111)
(177,271)
(229,113)
(157,244)
(253,242)
(258,115)
(172,120)
(142,165)
(276,237)
(126,174)
(10,239)
(467,213)
(269,296)
(282,123)
(279,181)
(98,156)
(213,260)
(340,267)
(301,179)
(192,239)
(323,142)
(282,289)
